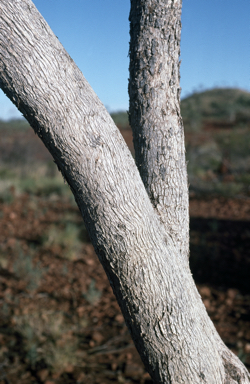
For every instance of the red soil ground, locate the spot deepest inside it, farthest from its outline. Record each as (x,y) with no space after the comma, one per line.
(59,320)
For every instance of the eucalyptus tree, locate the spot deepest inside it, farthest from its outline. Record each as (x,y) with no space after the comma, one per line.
(136,213)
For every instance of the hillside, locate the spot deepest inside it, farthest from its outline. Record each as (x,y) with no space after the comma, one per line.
(216,108)
(217,132)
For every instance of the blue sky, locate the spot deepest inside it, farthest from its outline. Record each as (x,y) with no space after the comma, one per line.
(215,47)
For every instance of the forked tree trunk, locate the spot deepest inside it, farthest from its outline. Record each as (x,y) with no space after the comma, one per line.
(141,243)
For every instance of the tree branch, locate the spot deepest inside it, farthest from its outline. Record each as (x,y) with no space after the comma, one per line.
(154,89)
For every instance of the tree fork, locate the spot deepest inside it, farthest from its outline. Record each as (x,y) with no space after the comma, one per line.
(153,285)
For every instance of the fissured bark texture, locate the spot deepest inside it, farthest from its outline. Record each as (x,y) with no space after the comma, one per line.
(140,250)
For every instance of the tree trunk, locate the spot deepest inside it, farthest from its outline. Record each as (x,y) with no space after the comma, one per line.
(137,241)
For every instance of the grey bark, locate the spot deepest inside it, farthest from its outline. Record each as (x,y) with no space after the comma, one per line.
(155,118)
(139,247)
